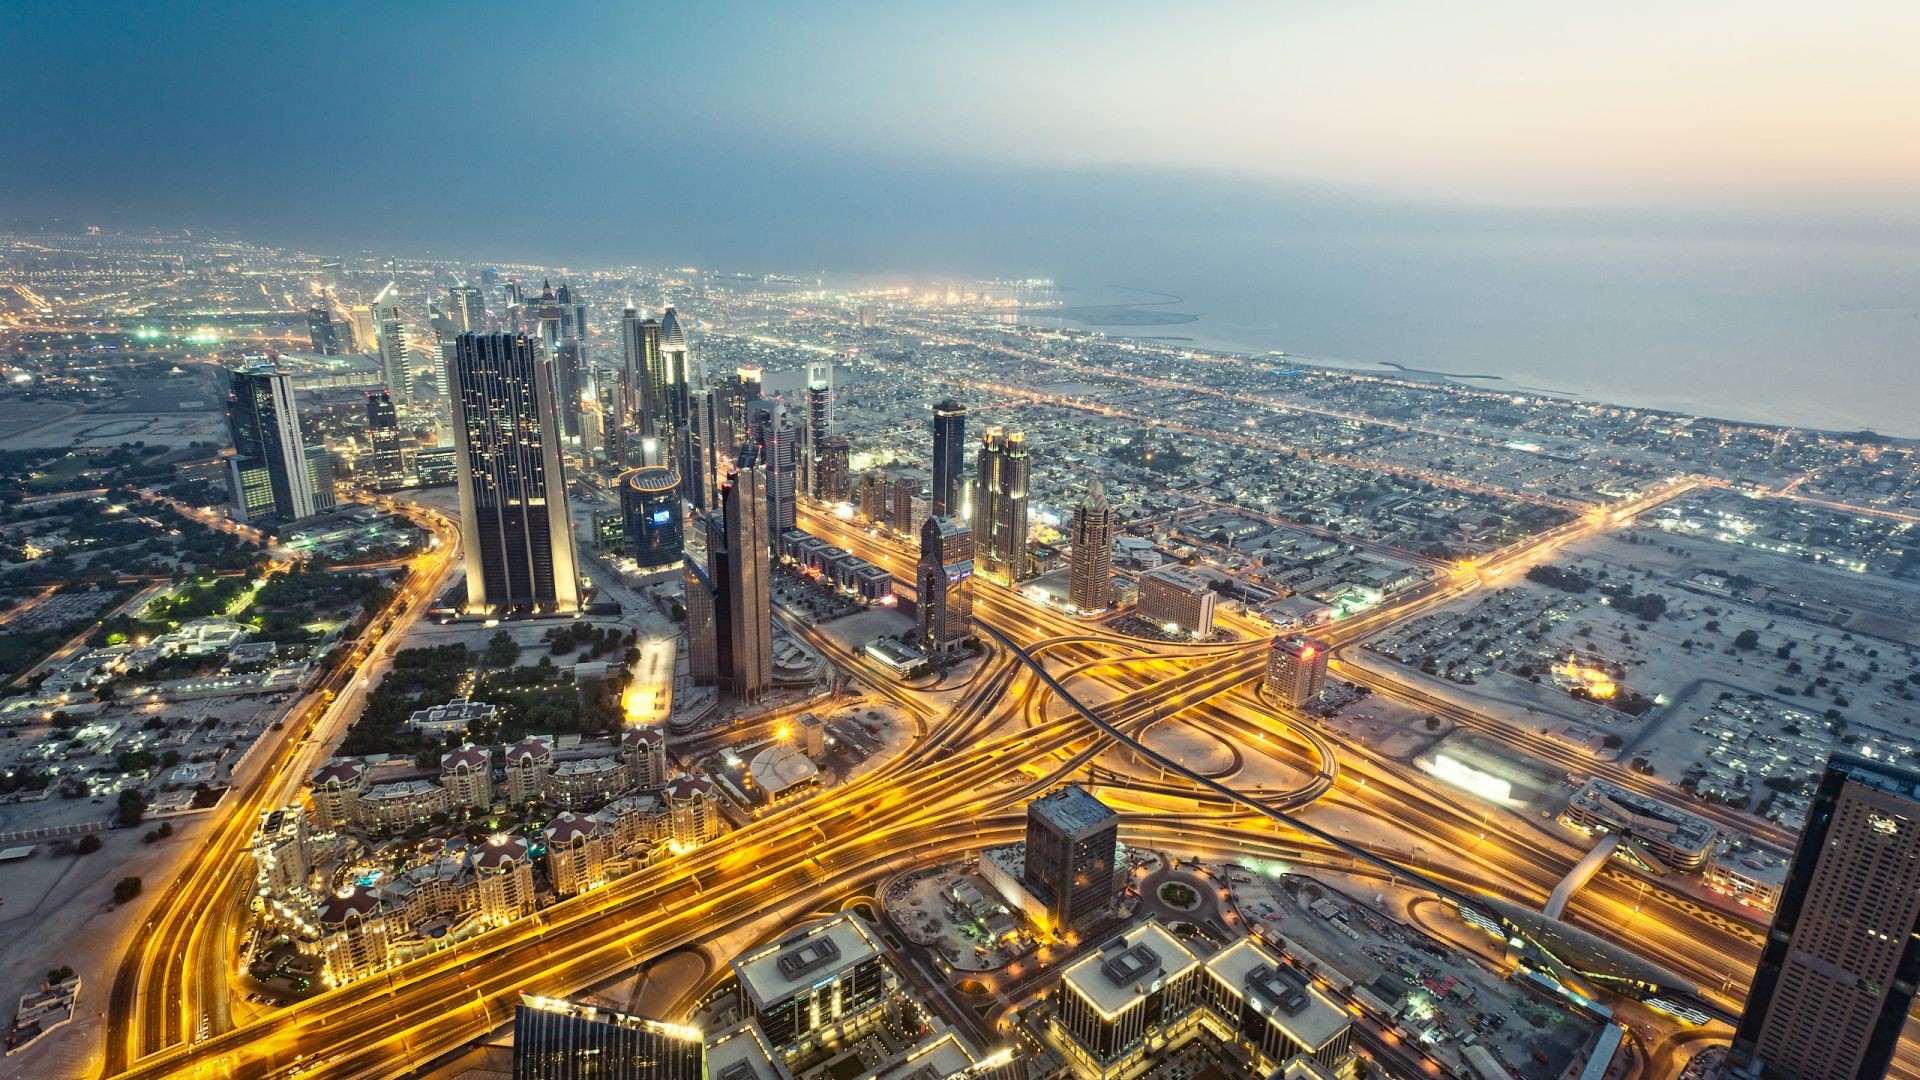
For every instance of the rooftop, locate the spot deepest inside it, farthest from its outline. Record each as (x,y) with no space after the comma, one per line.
(1127,967)
(776,972)
(1279,992)
(1072,809)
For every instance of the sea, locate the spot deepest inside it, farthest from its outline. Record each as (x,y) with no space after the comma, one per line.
(1810,330)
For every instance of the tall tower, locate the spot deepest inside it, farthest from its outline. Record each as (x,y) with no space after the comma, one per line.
(1089,584)
(469,308)
(1838,970)
(676,377)
(640,356)
(320,330)
(950,461)
(514,517)
(1000,504)
(777,443)
(558,314)
(396,366)
(384,464)
(819,426)
(1072,842)
(267,477)
(943,582)
(749,595)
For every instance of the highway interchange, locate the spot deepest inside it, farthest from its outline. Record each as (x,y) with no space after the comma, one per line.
(959,786)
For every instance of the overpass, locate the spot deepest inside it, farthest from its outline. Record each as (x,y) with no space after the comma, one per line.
(1577,878)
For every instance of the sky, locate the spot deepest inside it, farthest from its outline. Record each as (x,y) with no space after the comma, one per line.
(973,137)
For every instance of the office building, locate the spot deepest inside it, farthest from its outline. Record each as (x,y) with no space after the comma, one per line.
(777,442)
(1000,506)
(827,984)
(268,478)
(323,332)
(1073,844)
(385,470)
(909,495)
(468,308)
(1089,582)
(710,439)
(396,359)
(950,460)
(834,485)
(1177,600)
(943,615)
(874,500)
(320,476)
(650,514)
(515,521)
(1839,966)
(705,635)
(1273,1011)
(565,1040)
(1138,986)
(819,426)
(1296,670)
(643,373)
(746,584)
(678,377)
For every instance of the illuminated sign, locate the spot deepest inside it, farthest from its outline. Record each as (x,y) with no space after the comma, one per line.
(662,516)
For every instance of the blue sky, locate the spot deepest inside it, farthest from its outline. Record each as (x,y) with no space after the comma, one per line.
(942,137)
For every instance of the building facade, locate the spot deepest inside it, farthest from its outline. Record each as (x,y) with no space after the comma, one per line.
(943,612)
(515,519)
(1000,506)
(1296,670)
(1073,844)
(1841,961)
(268,478)
(1090,579)
(949,459)
(1177,600)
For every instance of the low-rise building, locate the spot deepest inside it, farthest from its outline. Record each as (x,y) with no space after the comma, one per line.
(1664,836)
(456,717)
(399,805)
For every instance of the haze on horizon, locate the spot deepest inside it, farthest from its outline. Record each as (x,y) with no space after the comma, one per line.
(770,132)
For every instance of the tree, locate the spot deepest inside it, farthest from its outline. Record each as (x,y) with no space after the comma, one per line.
(88,845)
(126,889)
(1747,640)
(133,806)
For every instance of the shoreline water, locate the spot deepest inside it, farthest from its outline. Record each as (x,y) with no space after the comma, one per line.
(1698,399)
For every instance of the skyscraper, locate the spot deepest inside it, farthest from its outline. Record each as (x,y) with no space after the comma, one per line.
(641,368)
(950,461)
(1073,840)
(385,469)
(832,470)
(320,330)
(1839,967)
(396,363)
(1000,504)
(564,1040)
(677,376)
(268,478)
(1089,585)
(749,598)
(469,308)
(819,425)
(514,516)
(943,582)
(778,443)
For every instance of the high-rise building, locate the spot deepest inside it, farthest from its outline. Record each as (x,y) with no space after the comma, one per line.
(876,499)
(468,308)
(1839,966)
(710,443)
(1089,585)
(514,516)
(268,478)
(1000,505)
(565,1040)
(1073,843)
(321,330)
(705,636)
(831,470)
(385,470)
(643,372)
(746,391)
(749,598)
(320,475)
(650,511)
(1296,669)
(950,461)
(396,358)
(943,613)
(1178,601)
(679,376)
(909,486)
(778,443)
(819,427)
